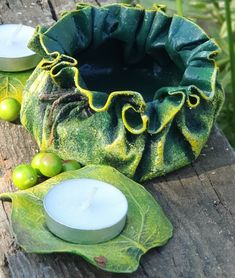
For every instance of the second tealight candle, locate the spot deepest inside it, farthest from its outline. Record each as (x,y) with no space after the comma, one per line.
(85,211)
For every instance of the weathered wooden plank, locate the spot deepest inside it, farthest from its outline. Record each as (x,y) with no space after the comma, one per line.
(199,199)
(203,244)
(16,146)
(57,6)
(30,12)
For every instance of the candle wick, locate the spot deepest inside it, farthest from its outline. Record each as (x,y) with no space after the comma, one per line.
(15,34)
(88,200)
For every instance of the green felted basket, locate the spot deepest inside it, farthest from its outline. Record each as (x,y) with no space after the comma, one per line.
(123,86)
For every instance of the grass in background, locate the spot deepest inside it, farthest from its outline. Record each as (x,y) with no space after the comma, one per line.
(214,16)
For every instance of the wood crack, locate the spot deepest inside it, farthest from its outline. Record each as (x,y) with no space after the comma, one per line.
(98,3)
(7,4)
(52,10)
(5,211)
(5,261)
(144,271)
(217,193)
(221,201)
(39,3)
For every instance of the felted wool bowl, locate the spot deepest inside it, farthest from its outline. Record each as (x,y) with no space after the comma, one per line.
(123,86)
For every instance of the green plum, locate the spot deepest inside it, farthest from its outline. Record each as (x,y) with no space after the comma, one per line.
(24,176)
(70,165)
(35,163)
(9,109)
(50,165)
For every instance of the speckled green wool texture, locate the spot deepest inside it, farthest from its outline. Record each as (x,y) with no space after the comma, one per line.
(123,86)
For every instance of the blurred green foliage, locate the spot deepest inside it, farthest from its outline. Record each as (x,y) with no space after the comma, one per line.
(210,15)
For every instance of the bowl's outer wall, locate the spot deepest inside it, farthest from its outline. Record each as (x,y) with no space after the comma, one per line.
(94,127)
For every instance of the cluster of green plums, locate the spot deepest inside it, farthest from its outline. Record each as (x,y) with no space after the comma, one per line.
(9,109)
(42,165)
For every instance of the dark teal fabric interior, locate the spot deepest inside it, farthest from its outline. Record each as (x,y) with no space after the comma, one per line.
(105,69)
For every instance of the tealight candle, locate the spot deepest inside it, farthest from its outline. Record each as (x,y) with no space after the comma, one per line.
(14,52)
(85,211)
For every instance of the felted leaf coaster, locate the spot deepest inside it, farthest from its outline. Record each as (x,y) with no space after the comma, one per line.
(146,226)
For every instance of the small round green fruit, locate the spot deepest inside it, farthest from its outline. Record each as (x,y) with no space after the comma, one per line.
(9,109)
(50,165)
(35,163)
(70,165)
(24,176)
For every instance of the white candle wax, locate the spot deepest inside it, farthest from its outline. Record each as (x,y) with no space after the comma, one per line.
(85,211)
(14,52)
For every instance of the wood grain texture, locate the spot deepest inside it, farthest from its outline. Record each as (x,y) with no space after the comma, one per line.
(199,199)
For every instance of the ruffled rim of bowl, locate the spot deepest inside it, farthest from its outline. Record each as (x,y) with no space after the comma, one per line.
(62,68)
